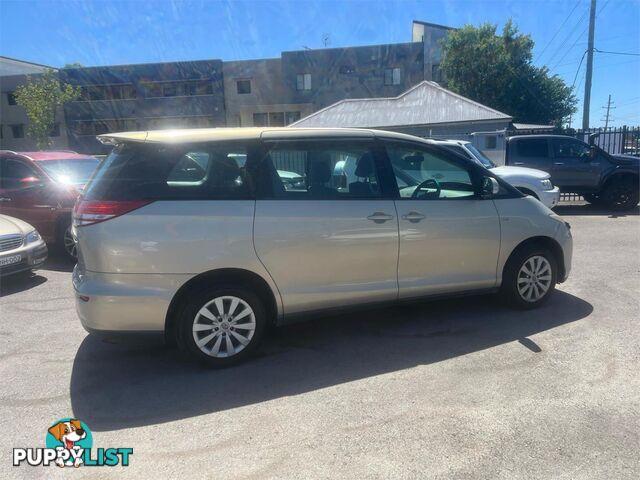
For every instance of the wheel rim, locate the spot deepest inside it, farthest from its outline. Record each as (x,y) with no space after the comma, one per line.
(70,245)
(621,195)
(534,278)
(224,326)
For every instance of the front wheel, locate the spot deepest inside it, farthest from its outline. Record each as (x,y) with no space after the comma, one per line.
(621,194)
(221,326)
(66,242)
(529,277)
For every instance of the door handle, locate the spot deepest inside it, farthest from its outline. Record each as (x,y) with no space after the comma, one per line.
(5,199)
(413,217)
(518,163)
(380,217)
(558,163)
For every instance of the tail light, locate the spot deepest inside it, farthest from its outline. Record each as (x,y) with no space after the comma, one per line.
(88,212)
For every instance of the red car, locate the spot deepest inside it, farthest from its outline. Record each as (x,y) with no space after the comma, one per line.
(41,189)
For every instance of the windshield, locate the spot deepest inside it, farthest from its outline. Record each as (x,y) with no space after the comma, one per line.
(481,157)
(70,171)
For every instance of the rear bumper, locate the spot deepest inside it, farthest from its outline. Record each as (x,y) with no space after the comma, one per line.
(550,198)
(115,304)
(33,256)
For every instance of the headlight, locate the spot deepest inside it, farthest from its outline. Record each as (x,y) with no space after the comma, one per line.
(33,237)
(546,184)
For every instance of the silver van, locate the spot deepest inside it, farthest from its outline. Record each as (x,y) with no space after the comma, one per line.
(198,236)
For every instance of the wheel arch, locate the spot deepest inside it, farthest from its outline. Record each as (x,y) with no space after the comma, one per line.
(620,174)
(527,191)
(542,241)
(236,276)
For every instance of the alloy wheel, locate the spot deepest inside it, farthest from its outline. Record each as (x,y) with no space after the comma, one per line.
(70,245)
(224,326)
(534,278)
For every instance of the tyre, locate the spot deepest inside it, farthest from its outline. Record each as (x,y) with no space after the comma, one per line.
(529,277)
(621,194)
(65,241)
(221,326)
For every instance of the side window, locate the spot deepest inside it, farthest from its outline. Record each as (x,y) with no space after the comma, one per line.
(169,172)
(426,175)
(532,148)
(570,149)
(13,172)
(323,170)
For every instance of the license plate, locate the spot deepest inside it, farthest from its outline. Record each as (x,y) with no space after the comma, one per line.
(10,260)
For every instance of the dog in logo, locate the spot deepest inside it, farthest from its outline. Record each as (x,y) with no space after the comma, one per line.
(68,433)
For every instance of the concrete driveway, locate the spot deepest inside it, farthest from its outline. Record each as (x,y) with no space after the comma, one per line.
(462,388)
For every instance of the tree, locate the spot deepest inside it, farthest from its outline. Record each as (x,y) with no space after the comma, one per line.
(496,70)
(41,98)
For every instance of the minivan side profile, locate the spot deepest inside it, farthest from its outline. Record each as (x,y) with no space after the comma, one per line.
(196,235)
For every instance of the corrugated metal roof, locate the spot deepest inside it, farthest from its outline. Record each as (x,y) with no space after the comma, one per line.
(426,103)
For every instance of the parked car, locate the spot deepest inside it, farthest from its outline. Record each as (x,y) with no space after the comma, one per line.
(528,180)
(21,246)
(210,262)
(41,188)
(576,167)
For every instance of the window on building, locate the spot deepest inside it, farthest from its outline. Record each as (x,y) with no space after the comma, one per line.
(392,76)
(490,142)
(303,81)
(205,88)
(1,132)
(55,130)
(243,87)
(260,120)
(169,90)
(100,128)
(11,98)
(17,131)
(290,117)
(436,73)
(276,119)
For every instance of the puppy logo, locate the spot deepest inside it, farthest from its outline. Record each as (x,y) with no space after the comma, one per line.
(72,435)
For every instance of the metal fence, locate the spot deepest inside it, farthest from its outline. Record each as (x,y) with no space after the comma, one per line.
(619,140)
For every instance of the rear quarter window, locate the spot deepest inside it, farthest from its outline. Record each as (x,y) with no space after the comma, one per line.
(172,172)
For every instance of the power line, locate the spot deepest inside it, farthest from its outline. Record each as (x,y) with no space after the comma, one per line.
(578,70)
(566,39)
(617,53)
(558,30)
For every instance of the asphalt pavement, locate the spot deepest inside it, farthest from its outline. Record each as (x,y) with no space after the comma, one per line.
(464,388)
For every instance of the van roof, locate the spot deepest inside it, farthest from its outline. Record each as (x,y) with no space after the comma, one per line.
(193,135)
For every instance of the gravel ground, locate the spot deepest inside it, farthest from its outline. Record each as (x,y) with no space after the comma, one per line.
(448,389)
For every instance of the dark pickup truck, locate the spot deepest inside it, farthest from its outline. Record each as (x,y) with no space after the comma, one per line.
(576,167)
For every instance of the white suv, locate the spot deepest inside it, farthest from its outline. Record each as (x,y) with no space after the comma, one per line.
(529,181)
(196,235)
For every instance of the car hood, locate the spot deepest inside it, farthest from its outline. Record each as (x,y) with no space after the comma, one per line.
(626,160)
(10,225)
(506,172)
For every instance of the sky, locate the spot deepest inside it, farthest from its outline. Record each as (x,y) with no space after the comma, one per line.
(93,32)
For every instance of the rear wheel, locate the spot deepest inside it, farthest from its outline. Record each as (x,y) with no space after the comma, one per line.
(221,326)
(529,277)
(621,193)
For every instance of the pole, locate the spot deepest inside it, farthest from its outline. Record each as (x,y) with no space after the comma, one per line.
(587,81)
(606,121)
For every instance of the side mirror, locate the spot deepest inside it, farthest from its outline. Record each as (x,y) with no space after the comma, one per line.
(490,187)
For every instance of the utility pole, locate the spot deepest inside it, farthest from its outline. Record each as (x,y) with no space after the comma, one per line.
(587,81)
(609,108)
